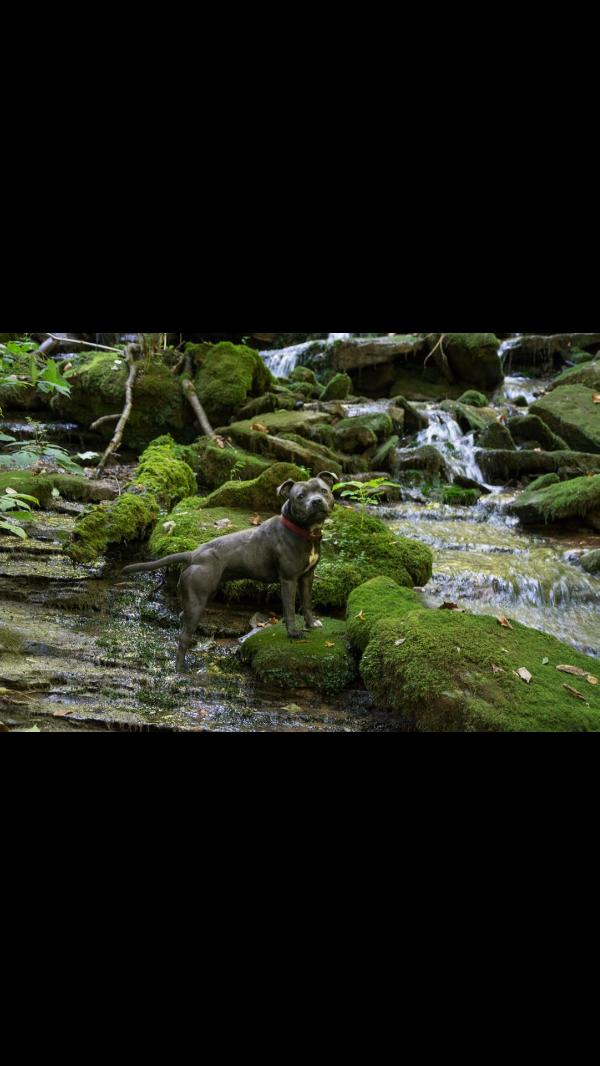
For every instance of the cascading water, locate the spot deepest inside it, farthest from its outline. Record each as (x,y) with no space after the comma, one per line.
(457,448)
(281,361)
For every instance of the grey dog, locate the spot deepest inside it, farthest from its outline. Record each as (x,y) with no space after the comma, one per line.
(285,548)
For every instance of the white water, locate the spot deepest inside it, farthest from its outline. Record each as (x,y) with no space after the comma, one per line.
(457,448)
(281,361)
(507,345)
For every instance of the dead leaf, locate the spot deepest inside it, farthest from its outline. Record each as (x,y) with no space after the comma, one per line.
(596,397)
(330,644)
(452,607)
(399,643)
(504,621)
(273,620)
(591,680)
(61,714)
(524,675)
(497,669)
(576,671)
(259,427)
(574,692)
(361,616)
(256,520)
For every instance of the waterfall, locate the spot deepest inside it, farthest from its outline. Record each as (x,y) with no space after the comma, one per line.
(457,448)
(281,361)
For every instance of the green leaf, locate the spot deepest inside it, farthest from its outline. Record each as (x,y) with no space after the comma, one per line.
(13,529)
(5,437)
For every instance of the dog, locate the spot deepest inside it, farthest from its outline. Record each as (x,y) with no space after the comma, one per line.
(285,548)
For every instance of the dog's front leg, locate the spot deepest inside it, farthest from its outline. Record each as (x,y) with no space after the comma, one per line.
(288,598)
(306,583)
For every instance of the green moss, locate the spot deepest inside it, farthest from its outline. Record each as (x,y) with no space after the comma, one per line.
(227,375)
(355,548)
(473,398)
(473,357)
(577,498)
(271,401)
(259,494)
(588,375)
(413,384)
(530,428)
(293,664)
(457,497)
(543,482)
(373,601)
(278,422)
(285,448)
(380,424)
(571,413)
(214,464)
(322,457)
(441,678)
(414,421)
(501,466)
(169,479)
(338,388)
(496,435)
(384,455)
(591,562)
(10,640)
(303,373)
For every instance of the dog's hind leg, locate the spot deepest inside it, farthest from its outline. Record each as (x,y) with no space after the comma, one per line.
(196,587)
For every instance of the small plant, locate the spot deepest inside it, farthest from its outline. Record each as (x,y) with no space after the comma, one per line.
(235,474)
(366,493)
(14,506)
(25,453)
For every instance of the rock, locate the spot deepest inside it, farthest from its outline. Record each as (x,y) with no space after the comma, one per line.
(384,456)
(259,494)
(426,459)
(588,375)
(228,375)
(473,358)
(321,660)
(497,436)
(303,373)
(70,486)
(578,498)
(530,428)
(397,416)
(543,353)
(276,423)
(591,562)
(499,467)
(379,423)
(473,398)
(357,352)
(374,600)
(214,464)
(338,388)
(270,401)
(571,413)
(354,438)
(444,671)
(455,496)
(414,421)
(318,456)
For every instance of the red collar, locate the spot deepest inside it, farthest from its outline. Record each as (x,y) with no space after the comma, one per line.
(300,532)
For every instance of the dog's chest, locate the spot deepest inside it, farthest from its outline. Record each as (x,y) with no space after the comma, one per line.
(313,558)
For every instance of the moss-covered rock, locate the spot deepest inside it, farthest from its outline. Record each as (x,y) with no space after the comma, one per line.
(498,467)
(259,494)
(161,479)
(414,421)
(357,547)
(276,423)
(591,562)
(571,413)
(426,459)
(543,482)
(587,374)
(473,358)
(70,486)
(379,423)
(496,435)
(374,600)
(526,429)
(288,438)
(354,439)
(227,375)
(214,464)
(385,454)
(304,373)
(338,388)
(270,401)
(453,672)
(414,384)
(578,498)
(98,389)
(322,660)
(455,496)
(473,398)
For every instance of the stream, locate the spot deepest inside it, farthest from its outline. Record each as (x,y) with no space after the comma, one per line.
(99,651)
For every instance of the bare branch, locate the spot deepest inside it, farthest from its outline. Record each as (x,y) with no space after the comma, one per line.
(130,352)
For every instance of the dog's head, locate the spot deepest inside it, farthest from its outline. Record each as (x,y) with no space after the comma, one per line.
(308,503)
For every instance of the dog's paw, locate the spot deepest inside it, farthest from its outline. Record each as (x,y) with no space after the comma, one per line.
(315,624)
(294,634)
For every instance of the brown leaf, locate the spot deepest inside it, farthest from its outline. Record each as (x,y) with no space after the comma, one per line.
(259,427)
(256,520)
(574,692)
(452,607)
(330,644)
(524,675)
(61,714)
(273,620)
(504,622)
(596,397)
(576,671)
(591,680)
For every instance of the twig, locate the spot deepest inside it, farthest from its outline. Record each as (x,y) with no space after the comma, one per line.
(130,351)
(192,397)
(105,418)
(89,344)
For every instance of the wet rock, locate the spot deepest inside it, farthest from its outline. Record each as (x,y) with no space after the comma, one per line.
(571,413)
(498,467)
(588,375)
(321,660)
(455,496)
(530,428)
(338,388)
(69,486)
(214,464)
(353,438)
(385,455)
(541,353)
(578,498)
(473,399)
(270,401)
(379,423)
(591,562)
(473,358)
(425,459)
(414,421)
(497,436)
(303,373)
(446,671)
(352,353)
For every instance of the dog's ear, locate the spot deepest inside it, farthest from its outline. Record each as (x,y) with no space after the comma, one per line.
(285,488)
(327,476)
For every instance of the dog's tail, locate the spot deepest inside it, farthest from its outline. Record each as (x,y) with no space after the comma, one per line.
(156,564)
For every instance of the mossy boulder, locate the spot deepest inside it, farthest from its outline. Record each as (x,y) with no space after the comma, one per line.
(304,373)
(385,454)
(354,439)
(357,547)
(228,374)
(473,398)
(321,660)
(530,428)
(416,385)
(338,388)
(501,466)
(496,435)
(586,374)
(70,486)
(576,499)
(98,389)
(259,494)
(414,421)
(374,600)
(455,496)
(571,413)
(214,464)
(288,439)
(425,459)
(445,671)
(270,401)
(276,423)
(591,562)
(161,479)
(473,358)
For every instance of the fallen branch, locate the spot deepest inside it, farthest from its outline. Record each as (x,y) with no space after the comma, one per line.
(442,360)
(105,418)
(88,344)
(130,352)
(192,397)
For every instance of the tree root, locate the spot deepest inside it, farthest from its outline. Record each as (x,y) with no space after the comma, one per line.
(192,397)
